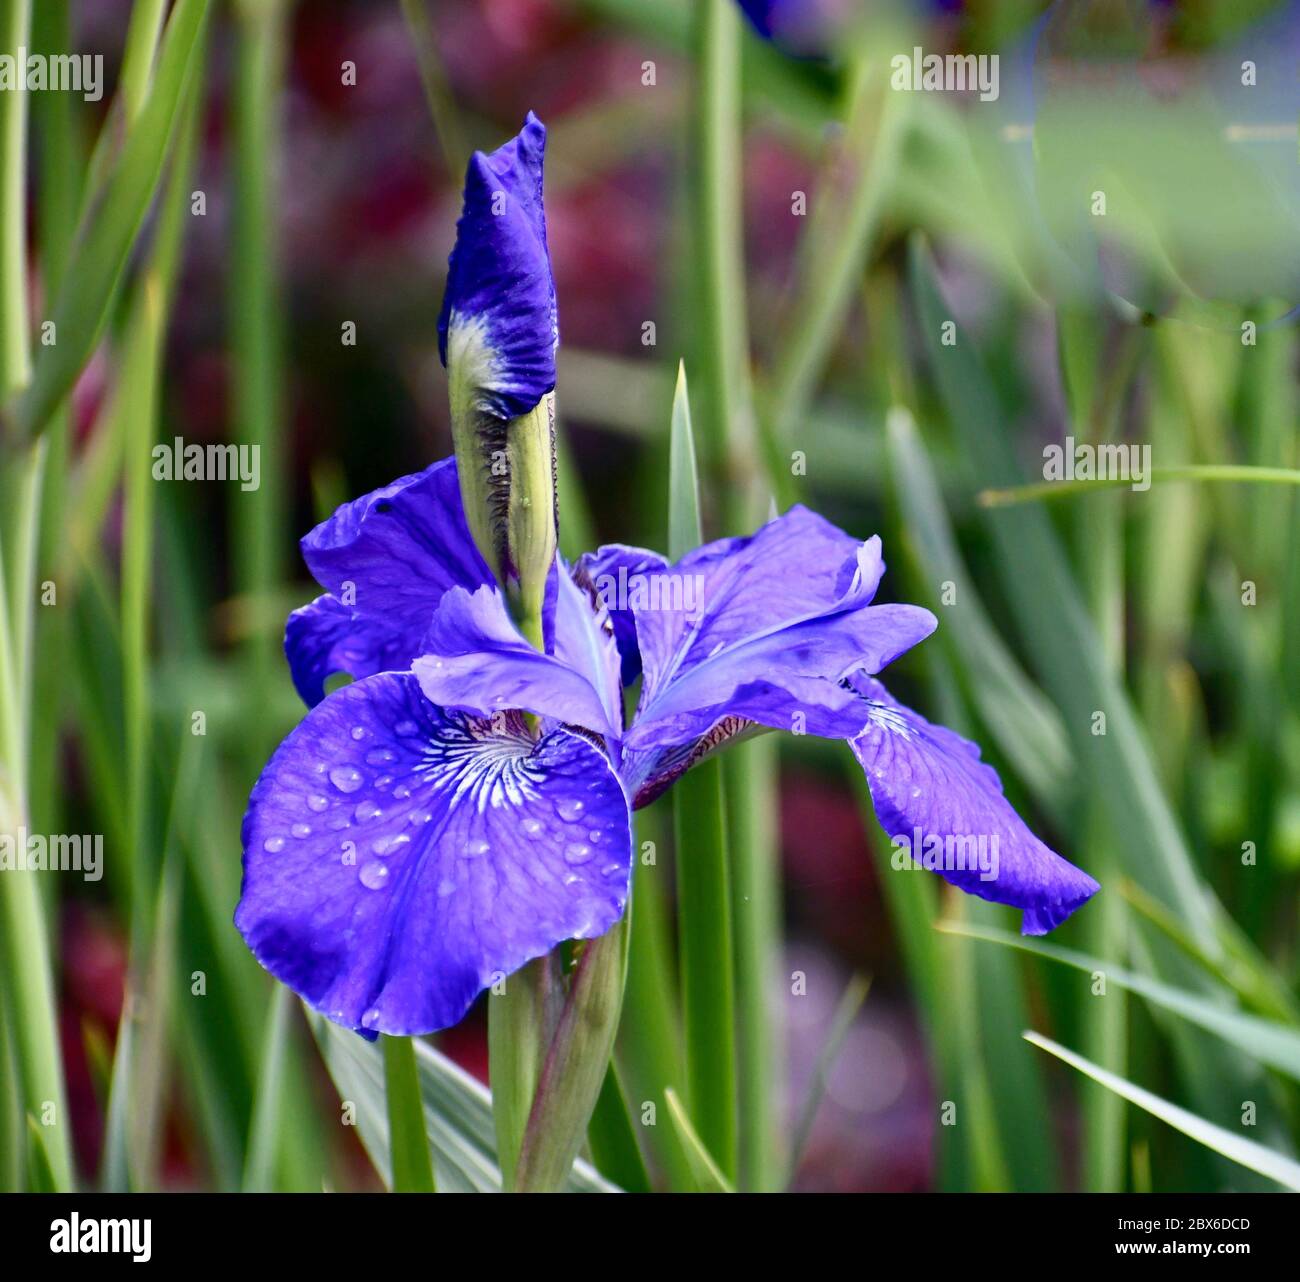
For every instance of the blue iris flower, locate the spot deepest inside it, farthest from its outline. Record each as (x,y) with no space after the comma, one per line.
(464,805)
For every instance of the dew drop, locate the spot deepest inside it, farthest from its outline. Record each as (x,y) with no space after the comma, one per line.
(318,803)
(378,756)
(532,827)
(402,791)
(383,782)
(370,1018)
(346,778)
(418,817)
(446,887)
(373,876)
(366,809)
(406,729)
(476,847)
(273,844)
(386,845)
(301,830)
(611,870)
(577,852)
(570,809)
(358,732)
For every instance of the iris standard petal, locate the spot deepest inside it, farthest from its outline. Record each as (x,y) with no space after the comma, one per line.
(391,554)
(326,638)
(941,805)
(615,572)
(497,331)
(767,628)
(398,859)
(473,658)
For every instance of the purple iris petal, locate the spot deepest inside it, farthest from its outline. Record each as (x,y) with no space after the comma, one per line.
(325,638)
(614,572)
(398,859)
(499,308)
(930,789)
(473,658)
(766,628)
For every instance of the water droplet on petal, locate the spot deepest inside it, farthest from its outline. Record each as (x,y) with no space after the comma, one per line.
(370,1018)
(386,845)
(301,830)
(402,791)
(359,732)
(532,827)
(611,870)
(418,817)
(476,847)
(383,781)
(366,809)
(569,808)
(346,778)
(318,803)
(378,756)
(374,875)
(577,852)
(406,729)
(273,844)
(446,887)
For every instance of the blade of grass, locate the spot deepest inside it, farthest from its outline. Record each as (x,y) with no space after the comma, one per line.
(1247,1153)
(614,1147)
(850,1003)
(266,1127)
(1212,473)
(1268,1042)
(412,1165)
(105,241)
(708,1176)
(703,895)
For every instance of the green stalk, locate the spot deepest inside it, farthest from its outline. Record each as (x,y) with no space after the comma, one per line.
(749,780)
(703,886)
(255,338)
(521,1022)
(15,340)
(408,1143)
(29,996)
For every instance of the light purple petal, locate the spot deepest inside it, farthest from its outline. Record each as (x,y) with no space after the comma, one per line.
(473,658)
(931,791)
(399,858)
(767,628)
(614,571)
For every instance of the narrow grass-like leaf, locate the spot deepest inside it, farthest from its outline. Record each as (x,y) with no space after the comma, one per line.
(457,1113)
(1264,1040)
(412,1168)
(709,1178)
(855,993)
(612,1138)
(105,242)
(1236,1148)
(266,1127)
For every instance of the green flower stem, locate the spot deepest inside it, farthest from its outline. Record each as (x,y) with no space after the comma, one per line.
(24,945)
(576,1064)
(522,1016)
(749,779)
(408,1143)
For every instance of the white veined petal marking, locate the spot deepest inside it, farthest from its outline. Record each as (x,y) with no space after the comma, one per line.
(477,762)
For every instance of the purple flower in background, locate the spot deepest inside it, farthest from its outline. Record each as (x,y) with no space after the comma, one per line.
(465,804)
(806,28)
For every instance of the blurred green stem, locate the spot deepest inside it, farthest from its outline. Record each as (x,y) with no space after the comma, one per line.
(408,1143)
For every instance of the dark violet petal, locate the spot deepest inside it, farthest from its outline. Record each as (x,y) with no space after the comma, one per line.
(498,314)
(614,572)
(391,554)
(802,28)
(474,659)
(928,783)
(767,628)
(398,858)
(325,638)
